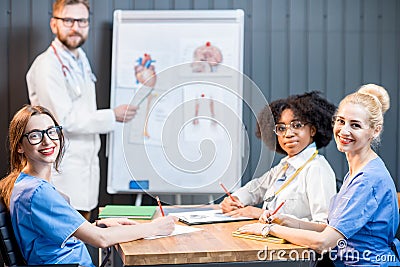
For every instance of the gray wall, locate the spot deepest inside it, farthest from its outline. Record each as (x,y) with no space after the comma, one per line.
(290,47)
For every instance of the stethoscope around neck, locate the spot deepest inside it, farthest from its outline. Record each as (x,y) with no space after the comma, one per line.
(72,83)
(64,67)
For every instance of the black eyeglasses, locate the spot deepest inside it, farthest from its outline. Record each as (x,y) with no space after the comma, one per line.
(36,136)
(69,22)
(281,128)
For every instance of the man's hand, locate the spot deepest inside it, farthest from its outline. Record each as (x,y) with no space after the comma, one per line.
(125,113)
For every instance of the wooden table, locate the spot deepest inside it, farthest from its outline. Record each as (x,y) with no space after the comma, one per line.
(214,244)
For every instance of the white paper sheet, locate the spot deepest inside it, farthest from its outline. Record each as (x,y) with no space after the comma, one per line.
(179,230)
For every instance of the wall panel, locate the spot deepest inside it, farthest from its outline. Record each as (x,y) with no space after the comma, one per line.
(279,49)
(389,78)
(183,4)
(261,70)
(316,68)
(18,50)
(5,14)
(39,29)
(335,69)
(371,41)
(298,52)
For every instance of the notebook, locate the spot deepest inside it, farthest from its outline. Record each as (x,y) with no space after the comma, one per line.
(127,211)
(272,239)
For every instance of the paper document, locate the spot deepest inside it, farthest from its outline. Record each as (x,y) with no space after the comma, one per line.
(206,216)
(179,229)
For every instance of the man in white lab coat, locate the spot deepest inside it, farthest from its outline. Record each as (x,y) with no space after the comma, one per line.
(61,79)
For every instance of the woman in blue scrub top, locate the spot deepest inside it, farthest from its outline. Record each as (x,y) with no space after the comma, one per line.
(364,215)
(47,228)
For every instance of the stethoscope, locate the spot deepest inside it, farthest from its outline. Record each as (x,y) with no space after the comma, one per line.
(64,68)
(70,80)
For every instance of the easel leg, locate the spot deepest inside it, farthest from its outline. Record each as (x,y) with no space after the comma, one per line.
(210,199)
(138,201)
(178,199)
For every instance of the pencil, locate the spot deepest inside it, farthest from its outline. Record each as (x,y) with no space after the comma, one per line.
(275,211)
(145,96)
(227,192)
(278,208)
(160,206)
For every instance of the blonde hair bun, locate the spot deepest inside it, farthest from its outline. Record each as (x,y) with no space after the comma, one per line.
(377,92)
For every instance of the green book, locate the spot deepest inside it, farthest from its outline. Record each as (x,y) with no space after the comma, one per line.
(127,211)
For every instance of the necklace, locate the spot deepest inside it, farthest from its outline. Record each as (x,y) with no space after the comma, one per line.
(269,199)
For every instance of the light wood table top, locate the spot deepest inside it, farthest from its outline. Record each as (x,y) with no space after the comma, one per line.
(214,243)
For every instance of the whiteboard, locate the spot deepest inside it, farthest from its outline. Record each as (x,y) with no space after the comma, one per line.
(183,69)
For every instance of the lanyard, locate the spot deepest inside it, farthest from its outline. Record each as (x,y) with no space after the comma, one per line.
(269,199)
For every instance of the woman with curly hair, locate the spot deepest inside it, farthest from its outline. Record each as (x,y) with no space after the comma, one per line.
(299,125)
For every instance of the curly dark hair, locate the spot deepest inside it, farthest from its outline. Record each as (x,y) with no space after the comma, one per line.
(308,107)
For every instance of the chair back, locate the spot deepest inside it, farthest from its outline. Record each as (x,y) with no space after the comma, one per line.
(398,227)
(9,248)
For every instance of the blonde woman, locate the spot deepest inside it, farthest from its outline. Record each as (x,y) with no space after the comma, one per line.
(364,215)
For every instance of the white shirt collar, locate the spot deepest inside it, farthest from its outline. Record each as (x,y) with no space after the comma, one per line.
(298,160)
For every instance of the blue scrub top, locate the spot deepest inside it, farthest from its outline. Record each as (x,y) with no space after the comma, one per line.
(44,222)
(366,212)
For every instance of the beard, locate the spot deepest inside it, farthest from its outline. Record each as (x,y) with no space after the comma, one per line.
(72,44)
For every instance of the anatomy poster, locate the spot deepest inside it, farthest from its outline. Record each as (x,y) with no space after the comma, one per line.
(170,65)
(203,112)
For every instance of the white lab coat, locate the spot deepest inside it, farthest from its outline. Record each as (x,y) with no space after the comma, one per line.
(74,105)
(307,197)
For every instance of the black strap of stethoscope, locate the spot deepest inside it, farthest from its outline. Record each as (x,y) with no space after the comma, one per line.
(63,67)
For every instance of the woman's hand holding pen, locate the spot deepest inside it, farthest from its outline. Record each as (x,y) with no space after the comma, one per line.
(248,211)
(228,205)
(164,225)
(280,219)
(267,216)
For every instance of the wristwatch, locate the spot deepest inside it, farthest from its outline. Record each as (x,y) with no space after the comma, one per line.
(266,229)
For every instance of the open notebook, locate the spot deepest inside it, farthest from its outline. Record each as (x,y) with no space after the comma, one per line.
(206,216)
(259,237)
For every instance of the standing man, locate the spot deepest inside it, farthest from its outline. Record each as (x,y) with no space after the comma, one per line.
(61,79)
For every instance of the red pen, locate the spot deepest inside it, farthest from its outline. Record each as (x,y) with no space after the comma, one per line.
(159,205)
(227,192)
(275,211)
(280,206)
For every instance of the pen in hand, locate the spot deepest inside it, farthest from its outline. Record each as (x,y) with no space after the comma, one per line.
(269,220)
(160,206)
(229,195)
